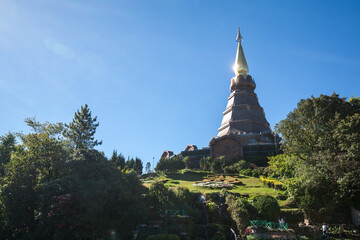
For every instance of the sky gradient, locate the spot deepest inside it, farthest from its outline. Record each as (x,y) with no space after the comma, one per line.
(157,72)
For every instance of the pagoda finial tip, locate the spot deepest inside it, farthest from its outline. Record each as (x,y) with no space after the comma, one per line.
(240,65)
(239,37)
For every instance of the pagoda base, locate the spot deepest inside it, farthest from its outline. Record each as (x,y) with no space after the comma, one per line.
(246,146)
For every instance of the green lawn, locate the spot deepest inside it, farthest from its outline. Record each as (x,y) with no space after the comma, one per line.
(250,185)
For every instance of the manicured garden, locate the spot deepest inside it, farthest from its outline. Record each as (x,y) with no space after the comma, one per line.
(235,183)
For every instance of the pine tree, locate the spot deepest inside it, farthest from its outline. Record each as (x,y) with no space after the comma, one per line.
(82,129)
(118,160)
(148,167)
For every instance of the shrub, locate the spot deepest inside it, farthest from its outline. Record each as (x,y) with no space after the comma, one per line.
(191,162)
(267,207)
(242,164)
(272,183)
(211,206)
(241,211)
(205,163)
(230,169)
(246,172)
(217,165)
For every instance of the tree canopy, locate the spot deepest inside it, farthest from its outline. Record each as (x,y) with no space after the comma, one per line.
(321,154)
(170,164)
(49,190)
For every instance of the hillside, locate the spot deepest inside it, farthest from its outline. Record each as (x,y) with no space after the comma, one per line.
(243,185)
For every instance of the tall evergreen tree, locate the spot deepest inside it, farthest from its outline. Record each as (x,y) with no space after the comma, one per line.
(118,160)
(138,166)
(82,129)
(148,167)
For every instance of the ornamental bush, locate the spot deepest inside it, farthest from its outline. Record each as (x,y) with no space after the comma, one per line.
(267,207)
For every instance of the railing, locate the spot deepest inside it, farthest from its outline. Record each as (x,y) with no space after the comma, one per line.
(272,225)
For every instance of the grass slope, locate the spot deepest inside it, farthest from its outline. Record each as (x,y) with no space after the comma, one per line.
(250,185)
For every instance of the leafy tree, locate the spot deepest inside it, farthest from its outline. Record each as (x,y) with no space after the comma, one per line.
(39,159)
(160,197)
(82,129)
(103,199)
(48,191)
(321,155)
(53,130)
(309,129)
(7,146)
(283,166)
(170,164)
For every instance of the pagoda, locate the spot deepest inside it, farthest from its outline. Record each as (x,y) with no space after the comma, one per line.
(244,131)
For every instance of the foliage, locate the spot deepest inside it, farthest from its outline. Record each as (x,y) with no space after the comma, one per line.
(39,159)
(82,129)
(237,167)
(138,167)
(187,161)
(7,146)
(321,155)
(267,207)
(48,191)
(240,211)
(134,164)
(205,163)
(160,196)
(283,166)
(217,165)
(309,128)
(118,160)
(272,183)
(170,164)
(148,167)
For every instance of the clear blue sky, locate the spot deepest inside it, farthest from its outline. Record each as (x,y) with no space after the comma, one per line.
(157,72)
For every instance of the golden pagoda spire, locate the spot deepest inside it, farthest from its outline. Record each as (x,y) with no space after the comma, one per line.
(240,66)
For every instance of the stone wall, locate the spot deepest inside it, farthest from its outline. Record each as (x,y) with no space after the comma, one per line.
(227,146)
